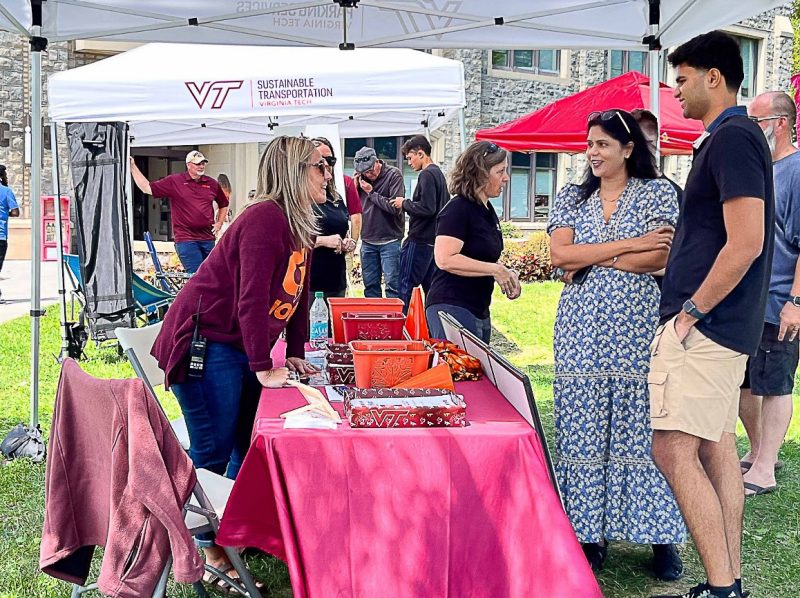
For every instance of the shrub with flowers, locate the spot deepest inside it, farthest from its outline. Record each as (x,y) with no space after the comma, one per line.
(529,258)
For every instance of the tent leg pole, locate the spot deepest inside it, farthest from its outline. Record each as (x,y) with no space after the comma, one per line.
(36,225)
(654,18)
(462,123)
(655,83)
(62,287)
(126,168)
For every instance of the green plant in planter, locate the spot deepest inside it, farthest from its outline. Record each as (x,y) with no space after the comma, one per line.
(509,231)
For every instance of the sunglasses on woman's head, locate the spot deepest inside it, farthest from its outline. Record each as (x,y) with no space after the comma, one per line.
(331,160)
(322,165)
(490,149)
(608,115)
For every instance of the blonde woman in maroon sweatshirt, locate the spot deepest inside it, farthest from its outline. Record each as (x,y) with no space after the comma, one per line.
(252,286)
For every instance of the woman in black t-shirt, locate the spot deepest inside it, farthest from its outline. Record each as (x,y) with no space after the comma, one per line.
(468,244)
(328,266)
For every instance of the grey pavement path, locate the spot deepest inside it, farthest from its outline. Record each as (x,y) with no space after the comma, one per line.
(15,284)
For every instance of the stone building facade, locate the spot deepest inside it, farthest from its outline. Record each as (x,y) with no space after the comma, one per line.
(496,92)
(15,93)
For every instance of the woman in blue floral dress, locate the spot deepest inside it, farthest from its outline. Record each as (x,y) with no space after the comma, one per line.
(619,222)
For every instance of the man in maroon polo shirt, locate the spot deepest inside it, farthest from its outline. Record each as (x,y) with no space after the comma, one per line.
(191,195)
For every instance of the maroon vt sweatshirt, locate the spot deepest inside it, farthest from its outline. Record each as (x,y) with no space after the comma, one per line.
(248,289)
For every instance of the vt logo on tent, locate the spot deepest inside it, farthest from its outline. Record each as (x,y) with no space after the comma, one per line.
(416,23)
(201,92)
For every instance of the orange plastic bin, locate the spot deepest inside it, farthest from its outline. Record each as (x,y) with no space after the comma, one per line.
(382,364)
(373,326)
(340,305)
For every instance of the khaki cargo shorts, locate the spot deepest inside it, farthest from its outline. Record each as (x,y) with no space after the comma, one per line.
(694,384)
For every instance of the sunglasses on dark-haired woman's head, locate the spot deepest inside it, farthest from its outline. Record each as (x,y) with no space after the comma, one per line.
(490,149)
(331,160)
(606,116)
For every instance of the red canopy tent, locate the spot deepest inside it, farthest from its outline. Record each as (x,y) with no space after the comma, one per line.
(561,126)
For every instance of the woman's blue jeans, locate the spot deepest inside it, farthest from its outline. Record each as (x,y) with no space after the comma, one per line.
(482,328)
(219,410)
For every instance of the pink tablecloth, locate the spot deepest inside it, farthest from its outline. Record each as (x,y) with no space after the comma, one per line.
(406,512)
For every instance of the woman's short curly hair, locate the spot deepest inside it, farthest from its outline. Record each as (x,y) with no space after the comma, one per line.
(471,172)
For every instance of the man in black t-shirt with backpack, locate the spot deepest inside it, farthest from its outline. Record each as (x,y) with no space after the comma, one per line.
(712,308)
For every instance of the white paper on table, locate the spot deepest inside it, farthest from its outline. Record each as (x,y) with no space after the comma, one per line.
(319,379)
(310,420)
(316,358)
(334,394)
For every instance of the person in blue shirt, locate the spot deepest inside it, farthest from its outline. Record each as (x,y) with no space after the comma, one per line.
(765,406)
(8,208)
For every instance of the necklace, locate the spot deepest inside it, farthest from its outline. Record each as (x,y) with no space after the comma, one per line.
(616,199)
(609,229)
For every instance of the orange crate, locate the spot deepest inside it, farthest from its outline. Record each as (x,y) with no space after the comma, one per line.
(382,364)
(375,326)
(339,305)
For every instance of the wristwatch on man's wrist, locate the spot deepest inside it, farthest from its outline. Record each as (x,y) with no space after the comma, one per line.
(794,300)
(690,308)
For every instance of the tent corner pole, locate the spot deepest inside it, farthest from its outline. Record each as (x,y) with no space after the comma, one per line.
(126,168)
(462,123)
(653,55)
(655,85)
(62,286)
(38,44)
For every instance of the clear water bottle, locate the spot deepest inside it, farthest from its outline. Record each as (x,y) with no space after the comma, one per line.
(319,321)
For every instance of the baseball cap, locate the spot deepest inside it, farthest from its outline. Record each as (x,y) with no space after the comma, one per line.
(364,159)
(195,157)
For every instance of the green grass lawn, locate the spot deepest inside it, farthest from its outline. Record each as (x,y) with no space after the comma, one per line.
(772,525)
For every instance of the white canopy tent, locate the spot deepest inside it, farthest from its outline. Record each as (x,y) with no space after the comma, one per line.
(623,24)
(382,23)
(239,94)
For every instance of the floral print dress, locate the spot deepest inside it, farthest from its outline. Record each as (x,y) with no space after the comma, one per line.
(611,487)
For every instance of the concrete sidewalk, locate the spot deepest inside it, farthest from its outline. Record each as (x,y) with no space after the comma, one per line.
(15,284)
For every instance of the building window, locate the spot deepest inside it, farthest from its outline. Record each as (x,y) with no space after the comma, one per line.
(519,186)
(623,61)
(538,62)
(748,47)
(530,190)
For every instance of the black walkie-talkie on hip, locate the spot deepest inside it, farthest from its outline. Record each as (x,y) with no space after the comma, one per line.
(197,350)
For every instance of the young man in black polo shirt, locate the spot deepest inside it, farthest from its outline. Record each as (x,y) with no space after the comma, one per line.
(712,307)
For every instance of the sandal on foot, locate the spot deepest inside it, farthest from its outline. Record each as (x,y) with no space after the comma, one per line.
(757,490)
(746,465)
(219,584)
